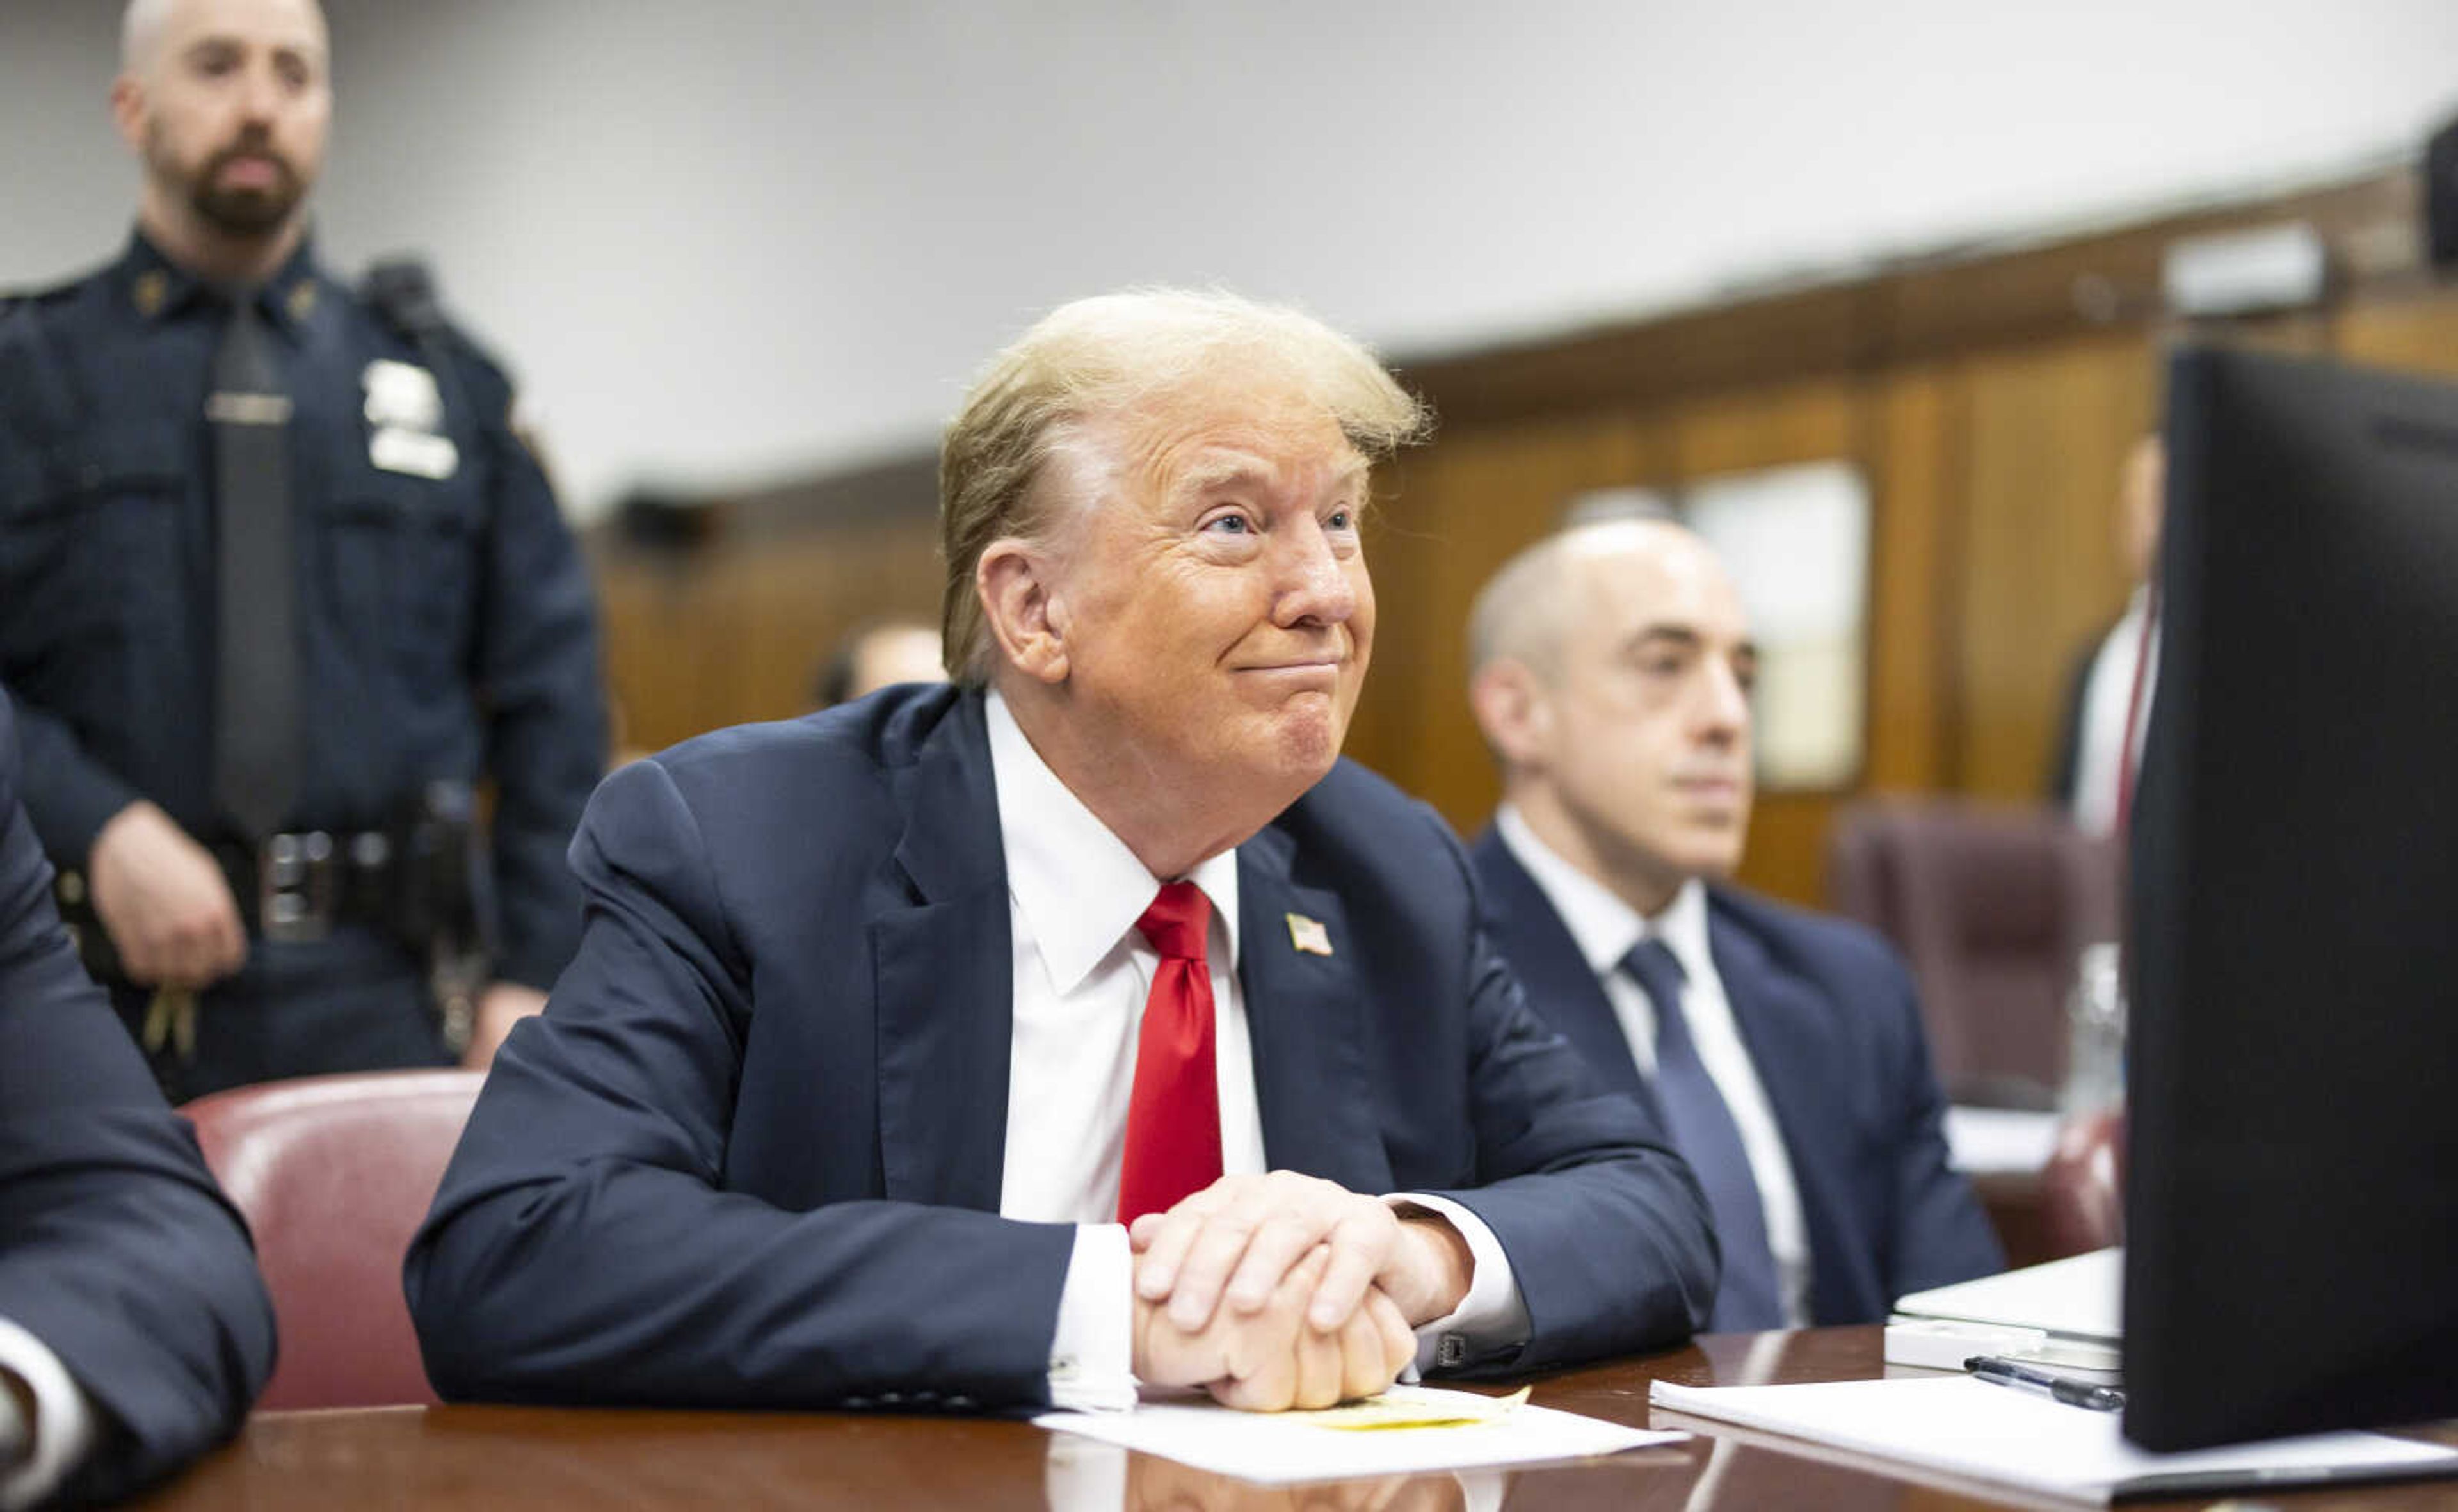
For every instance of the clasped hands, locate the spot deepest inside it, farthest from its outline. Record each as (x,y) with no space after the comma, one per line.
(1285,1290)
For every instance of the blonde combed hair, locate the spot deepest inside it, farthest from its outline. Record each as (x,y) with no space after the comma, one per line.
(1151,356)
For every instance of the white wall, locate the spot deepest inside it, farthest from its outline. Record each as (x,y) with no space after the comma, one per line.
(731,239)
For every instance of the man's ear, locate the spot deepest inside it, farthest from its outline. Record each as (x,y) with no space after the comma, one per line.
(128,111)
(1515,711)
(1015,580)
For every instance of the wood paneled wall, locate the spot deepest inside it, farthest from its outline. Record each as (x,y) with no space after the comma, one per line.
(739,632)
(1993,557)
(1989,404)
(731,622)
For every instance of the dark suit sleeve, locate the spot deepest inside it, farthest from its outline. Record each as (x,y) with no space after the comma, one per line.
(537,669)
(584,1247)
(1605,1227)
(1940,1234)
(116,1249)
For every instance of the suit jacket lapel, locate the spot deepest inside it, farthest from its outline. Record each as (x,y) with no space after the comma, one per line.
(946,1004)
(1311,1084)
(1791,1044)
(1555,975)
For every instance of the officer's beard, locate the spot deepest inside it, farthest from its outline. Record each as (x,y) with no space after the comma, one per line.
(248,211)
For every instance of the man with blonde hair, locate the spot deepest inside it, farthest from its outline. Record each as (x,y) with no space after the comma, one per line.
(1613,665)
(940,1048)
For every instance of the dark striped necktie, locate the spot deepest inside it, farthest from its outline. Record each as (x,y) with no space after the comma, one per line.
(1703,1129)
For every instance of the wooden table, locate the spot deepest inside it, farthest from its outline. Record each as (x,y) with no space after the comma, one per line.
(407,1459)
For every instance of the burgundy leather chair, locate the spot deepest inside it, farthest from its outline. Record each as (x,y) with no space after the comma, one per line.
(334,1174)
(1991,906)
(2082,1188)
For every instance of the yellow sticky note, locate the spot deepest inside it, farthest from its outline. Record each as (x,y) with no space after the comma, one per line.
(1413,1407)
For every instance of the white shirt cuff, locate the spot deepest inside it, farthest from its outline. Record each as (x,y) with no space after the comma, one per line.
(1492,1317)
(63,1428)
(1092,1352)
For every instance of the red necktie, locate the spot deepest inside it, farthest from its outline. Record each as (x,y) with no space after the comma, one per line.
(1174,1114)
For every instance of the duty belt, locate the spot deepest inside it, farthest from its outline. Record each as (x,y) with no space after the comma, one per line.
(422,882)
(292,889)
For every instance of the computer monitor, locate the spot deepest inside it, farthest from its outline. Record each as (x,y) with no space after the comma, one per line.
(2292,1176)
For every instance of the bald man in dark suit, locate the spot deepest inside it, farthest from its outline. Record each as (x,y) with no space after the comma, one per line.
(1613,664)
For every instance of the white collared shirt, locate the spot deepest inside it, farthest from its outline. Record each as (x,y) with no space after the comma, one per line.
(1605,928)
(2106,704)
(1081,971)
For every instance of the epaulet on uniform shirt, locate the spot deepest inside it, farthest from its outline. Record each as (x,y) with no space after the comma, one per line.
(403,293)
(22,344)
(14,301)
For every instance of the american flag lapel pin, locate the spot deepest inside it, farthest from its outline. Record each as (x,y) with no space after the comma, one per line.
(1308,935)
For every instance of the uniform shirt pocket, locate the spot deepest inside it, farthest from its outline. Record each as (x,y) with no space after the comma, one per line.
(90,547)
(403,561)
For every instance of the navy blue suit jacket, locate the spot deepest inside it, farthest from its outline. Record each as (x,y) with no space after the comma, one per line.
(751,1153)
(116,1249)
(1834,1033)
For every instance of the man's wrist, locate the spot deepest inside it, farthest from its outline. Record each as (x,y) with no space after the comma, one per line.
(111,824)
(60,1423)
(1449,1265)
(17,1410)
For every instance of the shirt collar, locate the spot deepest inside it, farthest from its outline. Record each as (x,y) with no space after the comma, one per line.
(1080,888)
(1600,924)
(156,287)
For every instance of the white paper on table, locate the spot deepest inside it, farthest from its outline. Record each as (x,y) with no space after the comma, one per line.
(1991,1435)
(1278,1449)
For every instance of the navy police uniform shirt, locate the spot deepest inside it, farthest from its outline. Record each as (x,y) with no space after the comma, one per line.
(445,618)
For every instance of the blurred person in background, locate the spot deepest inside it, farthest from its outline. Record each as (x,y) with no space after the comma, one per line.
(133,1329)
(2092,755)
(1612,666)
(879,653)
(279,587)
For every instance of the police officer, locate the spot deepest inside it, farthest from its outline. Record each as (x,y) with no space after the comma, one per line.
(278,585)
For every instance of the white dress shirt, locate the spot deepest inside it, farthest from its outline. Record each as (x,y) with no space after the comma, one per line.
(1081,971)
(2106,703)
(62,1432)
(1605,928)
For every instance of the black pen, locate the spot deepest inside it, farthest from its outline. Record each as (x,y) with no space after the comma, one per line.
(2023,1377)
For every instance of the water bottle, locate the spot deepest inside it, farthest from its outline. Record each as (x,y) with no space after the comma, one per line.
(2094,1034)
